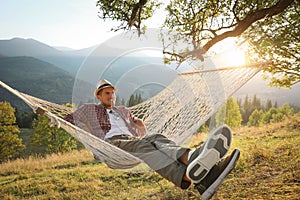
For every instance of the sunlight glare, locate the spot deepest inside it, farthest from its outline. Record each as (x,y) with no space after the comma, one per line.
(228,53)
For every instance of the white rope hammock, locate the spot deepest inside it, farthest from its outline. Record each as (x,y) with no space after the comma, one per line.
(176,112)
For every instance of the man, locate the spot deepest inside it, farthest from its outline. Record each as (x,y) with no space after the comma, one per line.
(182,166)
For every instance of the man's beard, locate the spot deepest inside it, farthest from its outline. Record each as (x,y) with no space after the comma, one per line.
(108,105)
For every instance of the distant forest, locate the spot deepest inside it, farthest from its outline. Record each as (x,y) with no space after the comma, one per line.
(247,107)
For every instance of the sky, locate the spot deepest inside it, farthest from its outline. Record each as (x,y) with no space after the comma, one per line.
(60,23)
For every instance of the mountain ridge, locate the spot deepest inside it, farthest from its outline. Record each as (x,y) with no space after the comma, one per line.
(26,47)
(71,62)
(34,77)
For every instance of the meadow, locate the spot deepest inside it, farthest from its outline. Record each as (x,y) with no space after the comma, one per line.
(269,168)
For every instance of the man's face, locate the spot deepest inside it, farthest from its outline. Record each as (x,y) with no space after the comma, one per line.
(107,97)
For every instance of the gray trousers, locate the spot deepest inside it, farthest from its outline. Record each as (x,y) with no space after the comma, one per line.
(157,151)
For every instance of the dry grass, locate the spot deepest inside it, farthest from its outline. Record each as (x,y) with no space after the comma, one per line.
(268,169)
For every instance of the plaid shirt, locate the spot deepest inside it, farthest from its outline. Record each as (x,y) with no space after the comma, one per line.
(94,119)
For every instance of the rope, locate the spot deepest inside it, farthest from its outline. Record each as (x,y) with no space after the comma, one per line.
(176,112)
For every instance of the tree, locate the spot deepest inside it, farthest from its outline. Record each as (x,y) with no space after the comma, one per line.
(246,110)
(276,104)
(256,118)
(129,13)
(135,99)
(53,138)
(268,105)
(278,114)
(256,103)
(272,26)
(25,119)
(10,144)
(268,117)
(119,101)
(131,101)
(231,112)
(286,109)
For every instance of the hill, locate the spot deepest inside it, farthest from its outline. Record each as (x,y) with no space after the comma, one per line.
(26,47)
(268,169)
(34,77)
(69,61)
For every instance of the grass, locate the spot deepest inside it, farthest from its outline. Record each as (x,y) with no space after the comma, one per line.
(269,168)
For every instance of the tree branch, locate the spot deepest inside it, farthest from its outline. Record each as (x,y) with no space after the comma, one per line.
(136,11)
(249,20)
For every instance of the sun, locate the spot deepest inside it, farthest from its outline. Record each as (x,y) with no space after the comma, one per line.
(228,53)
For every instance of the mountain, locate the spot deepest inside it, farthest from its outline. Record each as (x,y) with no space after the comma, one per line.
(66,60)
(34,77)
(27,47)
(119,65)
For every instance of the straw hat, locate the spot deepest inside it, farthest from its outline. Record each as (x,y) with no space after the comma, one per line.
(104,84)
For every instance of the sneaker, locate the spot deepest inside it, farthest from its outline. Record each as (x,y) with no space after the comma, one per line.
(209,185)
(203,159)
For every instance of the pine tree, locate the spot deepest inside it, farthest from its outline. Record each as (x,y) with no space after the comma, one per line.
(123,101)
(131,101)
(10,144)
(139,99)
(276,104)
(246,111)
(119,101)
(256,103)
(239,102)
(231,112)
(268,105)
(135,99)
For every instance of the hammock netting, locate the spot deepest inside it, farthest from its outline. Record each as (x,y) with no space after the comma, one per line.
(176,112)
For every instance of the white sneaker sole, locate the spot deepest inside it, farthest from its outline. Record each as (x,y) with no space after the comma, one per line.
(214,149)
(209,192)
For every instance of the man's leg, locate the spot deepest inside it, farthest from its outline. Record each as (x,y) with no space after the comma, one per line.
(160,153)
(170,160)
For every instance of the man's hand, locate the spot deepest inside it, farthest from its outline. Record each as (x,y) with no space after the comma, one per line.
(40,111)
(140,127)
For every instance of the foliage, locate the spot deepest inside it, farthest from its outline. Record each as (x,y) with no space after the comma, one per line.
(256,118)
(25,119)
(251,104)
(286,109)
(278,114)
(231,112)
(254,113)
(10,144)
(278,40)
(129,13)
(272,26)
(55,139)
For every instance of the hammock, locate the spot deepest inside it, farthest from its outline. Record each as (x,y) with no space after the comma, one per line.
(176,112)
